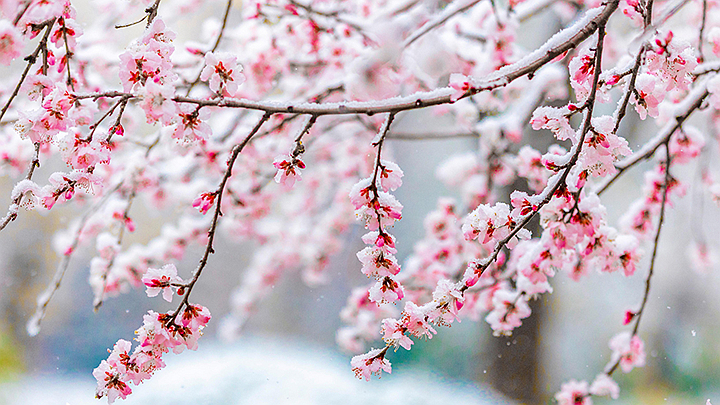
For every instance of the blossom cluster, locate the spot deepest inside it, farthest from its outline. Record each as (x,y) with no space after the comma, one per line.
(159,334)
(187,124)
(379,210)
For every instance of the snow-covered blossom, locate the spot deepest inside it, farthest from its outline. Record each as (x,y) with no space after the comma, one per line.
(648,95)
(386,290)
(628,350)
(605,386)
(460,84)
(508,309)
(394,333)
(192,126)
(672,61)
(574,393)
(288,167)
(582,70)
(372,362)
(223,71)
(415,321)
(161,280)
(157,101)
(112,381)
(554,119)
(10,42)
(488,224)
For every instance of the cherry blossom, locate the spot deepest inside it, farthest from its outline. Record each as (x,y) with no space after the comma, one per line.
(161,280)
(10,42)
(373,362)
(288,170)
(628,350)
(574,393)
(123,125)
(605,386)
(224,73)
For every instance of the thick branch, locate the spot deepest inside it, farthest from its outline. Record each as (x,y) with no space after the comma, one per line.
(560,43)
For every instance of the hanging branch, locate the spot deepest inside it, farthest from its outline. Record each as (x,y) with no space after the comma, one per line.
(549,191)
(656,242)
(216,215)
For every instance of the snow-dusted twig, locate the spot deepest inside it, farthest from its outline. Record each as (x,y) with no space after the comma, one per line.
(457,7)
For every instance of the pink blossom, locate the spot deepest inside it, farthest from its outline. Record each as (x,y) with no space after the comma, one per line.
(629,253)
(394,334)
(605,386)
(158,33)
(508,309)
(380,212)
(36,86)
(628,350)
(582,69)
(574,393)
(633,9)
(224,72)
(383,240)
(195,316)
(555,120)
(157,102)
(415,321)
(703,258)
(530,166)
(488,223)
(372,362)
(447,301)
(648,96)
(65,30)
(390,175)
(137,66)
(378,263)
(714,38)
(11,42)
(192,126)
(686,144)
(161,280)
(386,290)
(672,61)
(112,381)
(288,170)
(461,84)
(360,194)
(204,202)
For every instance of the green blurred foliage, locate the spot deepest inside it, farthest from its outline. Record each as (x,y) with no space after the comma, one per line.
(11,363)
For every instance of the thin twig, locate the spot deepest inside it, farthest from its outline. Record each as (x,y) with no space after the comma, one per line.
(217,213)
(215,47)
(693,102)
(33,325)
(648,279)
(449,12)
(31,59)
(12,211)
(701,34)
